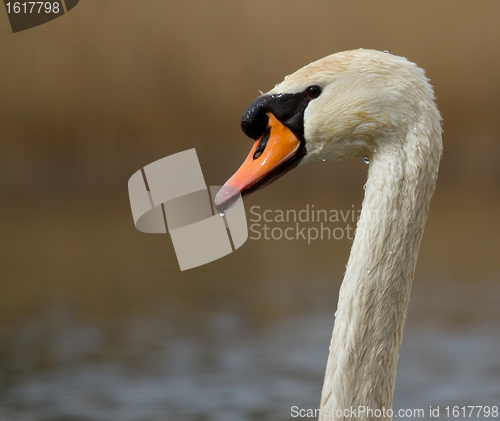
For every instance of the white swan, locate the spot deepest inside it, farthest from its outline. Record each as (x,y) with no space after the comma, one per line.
(377,105)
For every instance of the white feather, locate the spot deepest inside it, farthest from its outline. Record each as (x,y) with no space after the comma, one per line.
(381,106)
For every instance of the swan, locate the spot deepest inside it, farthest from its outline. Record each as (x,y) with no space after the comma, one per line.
(360,103)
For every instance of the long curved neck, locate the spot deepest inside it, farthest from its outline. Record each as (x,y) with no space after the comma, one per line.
(374,296)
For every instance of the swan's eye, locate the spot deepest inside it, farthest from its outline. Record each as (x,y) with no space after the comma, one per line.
(313,91)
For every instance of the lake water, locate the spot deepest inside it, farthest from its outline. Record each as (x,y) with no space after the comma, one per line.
(221,366)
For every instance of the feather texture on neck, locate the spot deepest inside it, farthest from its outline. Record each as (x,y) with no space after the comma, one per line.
(374,296)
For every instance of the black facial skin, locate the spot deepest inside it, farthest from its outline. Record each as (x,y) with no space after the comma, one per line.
(289,110)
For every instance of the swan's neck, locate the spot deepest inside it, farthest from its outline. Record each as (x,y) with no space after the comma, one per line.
(375,292)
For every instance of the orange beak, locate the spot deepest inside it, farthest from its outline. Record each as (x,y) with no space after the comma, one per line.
(276,152)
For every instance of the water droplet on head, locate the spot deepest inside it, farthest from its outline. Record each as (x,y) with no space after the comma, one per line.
(367,161)
(385,51)
(222,214)
(324,160)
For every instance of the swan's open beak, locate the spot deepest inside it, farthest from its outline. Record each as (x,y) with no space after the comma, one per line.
(273,154)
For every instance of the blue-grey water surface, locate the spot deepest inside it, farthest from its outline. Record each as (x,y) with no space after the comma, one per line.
(61,366)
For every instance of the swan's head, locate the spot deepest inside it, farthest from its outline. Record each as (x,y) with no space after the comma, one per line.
(345,105)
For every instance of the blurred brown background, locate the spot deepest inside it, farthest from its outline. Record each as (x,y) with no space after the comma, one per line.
(91,97)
